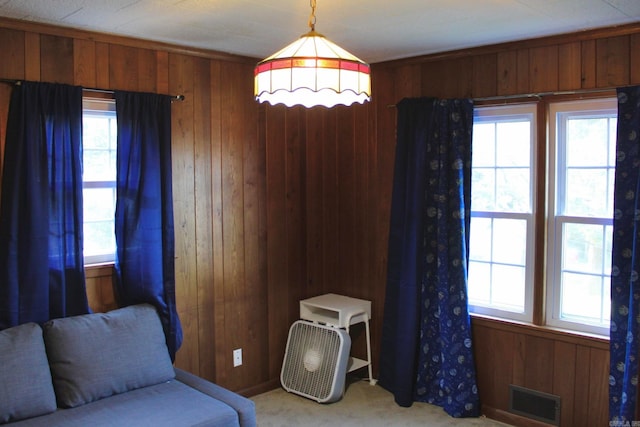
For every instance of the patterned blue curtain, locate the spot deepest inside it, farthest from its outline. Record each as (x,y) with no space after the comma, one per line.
(41,259)
(426,344)
(145,268)
(625,290)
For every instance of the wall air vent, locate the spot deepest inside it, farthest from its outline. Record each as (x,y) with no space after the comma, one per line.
(534,404)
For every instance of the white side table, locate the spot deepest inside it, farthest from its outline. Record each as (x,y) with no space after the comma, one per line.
(341,312)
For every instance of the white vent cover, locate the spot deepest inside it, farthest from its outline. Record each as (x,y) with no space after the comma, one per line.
(315,361)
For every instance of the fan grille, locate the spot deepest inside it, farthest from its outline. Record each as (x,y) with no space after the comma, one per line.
(311,360)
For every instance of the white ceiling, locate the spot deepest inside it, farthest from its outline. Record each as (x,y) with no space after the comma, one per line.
(374,30)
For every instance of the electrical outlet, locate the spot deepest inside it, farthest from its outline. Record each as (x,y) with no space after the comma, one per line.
(237,357)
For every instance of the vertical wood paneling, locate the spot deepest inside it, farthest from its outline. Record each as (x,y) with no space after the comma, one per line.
(408,81)
(32,66)
(588,61)
(634,47)
(256,339)
(272,205)
(543,65)
(102,66)
(295,183)
(84,61)
(203,215)
(56,59)
(278,291)
(147,71)
(13,54)
(181,72)
(215,316)
(581,393)
(330,207)
(485,72)
(162,75)
(123,67)
(495,349)
(570,66)
(233,231)
(363,232)
(345,244)
(524,84)
(5,95)
(612,61)
(598,386)
(315,128)
(507,73)
(564,377)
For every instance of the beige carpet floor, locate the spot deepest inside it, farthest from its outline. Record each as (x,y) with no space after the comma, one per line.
(361,405)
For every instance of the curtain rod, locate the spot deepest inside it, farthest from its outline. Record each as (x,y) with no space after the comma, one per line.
(90,89)
(537,95)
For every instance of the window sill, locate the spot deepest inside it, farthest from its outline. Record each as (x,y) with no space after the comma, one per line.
(558,334)
(98,269)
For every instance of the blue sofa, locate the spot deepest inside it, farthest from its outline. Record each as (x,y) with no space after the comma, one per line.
(106,369)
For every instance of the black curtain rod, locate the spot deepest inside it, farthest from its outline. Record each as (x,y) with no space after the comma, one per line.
(90,89)
(537,95)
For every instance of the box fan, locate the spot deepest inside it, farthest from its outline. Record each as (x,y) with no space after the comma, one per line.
(315,361)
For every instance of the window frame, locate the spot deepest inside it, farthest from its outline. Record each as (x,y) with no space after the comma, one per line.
(512,113)
(556,221)
(97,105)
(540,298)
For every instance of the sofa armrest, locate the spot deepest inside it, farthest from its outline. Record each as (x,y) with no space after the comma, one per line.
(245,408)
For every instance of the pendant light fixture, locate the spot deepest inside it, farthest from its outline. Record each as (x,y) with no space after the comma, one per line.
(312,71)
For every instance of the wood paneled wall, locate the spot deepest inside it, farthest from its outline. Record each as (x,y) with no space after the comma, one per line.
(219,181)
(273,205)
(575,368)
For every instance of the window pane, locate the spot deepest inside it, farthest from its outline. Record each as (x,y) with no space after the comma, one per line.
(99,165)
(99,204)
(513,190)
(99,238)
(95,132)
(483,184)
(484,145)
(99,175)
(497,286)
(613,131)
(586,193)
(582,298)
(501,192)
(584,248)
(587,142)
(480,239)
(513,144)
(508,287)
(479,283)
(509,238)
(580,231)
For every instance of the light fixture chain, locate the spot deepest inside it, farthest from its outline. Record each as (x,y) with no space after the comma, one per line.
(312,17)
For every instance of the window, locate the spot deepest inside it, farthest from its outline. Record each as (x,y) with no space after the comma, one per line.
(99,179)
(576,233)
(502,221)
(580,232)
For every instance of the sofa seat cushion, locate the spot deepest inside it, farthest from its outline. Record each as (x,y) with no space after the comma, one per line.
(25,380)
(98,355)
(171,404)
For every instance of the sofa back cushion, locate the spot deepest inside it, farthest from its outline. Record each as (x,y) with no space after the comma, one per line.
(98,355)
(25,381)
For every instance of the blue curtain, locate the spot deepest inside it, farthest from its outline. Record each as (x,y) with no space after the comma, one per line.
(426,344)
(625,290)
(41,259)
(144,230)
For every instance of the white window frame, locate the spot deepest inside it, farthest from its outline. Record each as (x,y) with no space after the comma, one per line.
(99,107)
(514,112)
(556,221)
